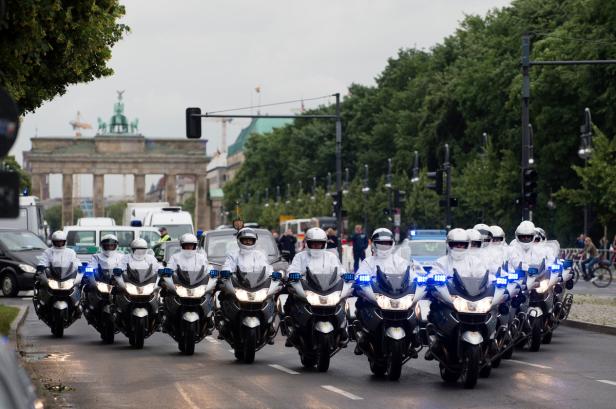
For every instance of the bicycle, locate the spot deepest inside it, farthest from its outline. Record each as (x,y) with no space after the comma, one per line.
(601,271)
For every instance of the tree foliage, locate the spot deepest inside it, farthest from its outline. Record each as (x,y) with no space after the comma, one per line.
(116,211)
(47,45)
(10,164)
(468,84)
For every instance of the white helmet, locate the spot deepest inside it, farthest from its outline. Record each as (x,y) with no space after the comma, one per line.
(316,240)
(188,243)
(139,247)
(498,235)
(109,244)
(540,234)
(525,234)
(382,242)
(458,242)
(58,239)
(486,233)
(475,238)
(247,239)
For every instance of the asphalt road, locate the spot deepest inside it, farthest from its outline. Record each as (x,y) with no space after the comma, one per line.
(585,287)
(577,370)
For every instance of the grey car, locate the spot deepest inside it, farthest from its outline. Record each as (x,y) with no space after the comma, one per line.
(217,243)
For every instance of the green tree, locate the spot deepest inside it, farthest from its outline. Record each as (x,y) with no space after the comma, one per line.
(189,205)
(9,163)
(116,211)
(47,45)
(53,215)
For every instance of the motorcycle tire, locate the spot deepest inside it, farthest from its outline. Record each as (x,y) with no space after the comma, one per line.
(239,355)
(107,332)
(139,333)
(448,375)
(508,353)
(323,357)
(378,369)
(249,346)
(547,338)
(188,339)
(536,334)
(394,361)
(496,363)
(57,324)
(308,361)
(470,371)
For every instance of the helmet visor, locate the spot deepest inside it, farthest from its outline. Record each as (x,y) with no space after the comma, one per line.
(248,241)
(458,244)
(384,243)
(315,244)
(189,246)
(476,244)
(109,245)
(525,238)
(59,243)
(497,239)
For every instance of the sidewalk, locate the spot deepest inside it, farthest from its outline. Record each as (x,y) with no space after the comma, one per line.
(594,309)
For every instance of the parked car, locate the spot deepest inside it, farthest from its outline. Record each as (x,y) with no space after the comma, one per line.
(19,252)
(218,243)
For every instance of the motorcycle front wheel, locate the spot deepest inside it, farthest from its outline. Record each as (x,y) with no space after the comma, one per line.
(138,333)
(536,334)
(394,361)
(188,339)
(323,357)
(107,332)
(57,323)
(470,370)
(249,346)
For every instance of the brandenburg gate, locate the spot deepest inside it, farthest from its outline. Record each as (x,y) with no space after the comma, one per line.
(116,150)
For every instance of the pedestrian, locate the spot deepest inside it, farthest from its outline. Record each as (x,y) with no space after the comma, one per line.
(276,237)
(164,235)
(359,241)
(592,257)
(604,245)
(287,245)
(332,241)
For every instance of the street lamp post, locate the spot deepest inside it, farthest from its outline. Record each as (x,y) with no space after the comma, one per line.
(366,191)
(585,152)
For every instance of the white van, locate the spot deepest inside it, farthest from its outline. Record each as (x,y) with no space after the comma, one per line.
(174,219)
(96,221)
(300,226)
(85,240)
(30,218)
(136,212)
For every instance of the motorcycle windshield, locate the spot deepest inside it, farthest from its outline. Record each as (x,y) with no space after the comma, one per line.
(190,278)
(322,280)
(393,283)
(139,275)
(471,286)
(250,279)
(62,272)
(104,274)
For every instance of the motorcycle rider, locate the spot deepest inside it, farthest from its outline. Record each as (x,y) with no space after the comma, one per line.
(458,257)
(188,258)
(108,258)
(247,258)
(317,259)
(499,245)
(382,256)
(139,258)
(476,246)
(58,253)
(525,250)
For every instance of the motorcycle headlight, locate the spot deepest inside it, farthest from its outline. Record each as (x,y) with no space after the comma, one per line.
(251,296)
(479,307)
(133,289)
(397,304)
(184,292)
(27,268)
(103,287)
(328,300)
(61,285)
(543,286)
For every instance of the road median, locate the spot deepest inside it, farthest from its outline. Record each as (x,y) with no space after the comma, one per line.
(593,313)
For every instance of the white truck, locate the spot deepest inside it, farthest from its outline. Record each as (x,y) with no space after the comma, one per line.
(31,218)
(173,218)
(137,211)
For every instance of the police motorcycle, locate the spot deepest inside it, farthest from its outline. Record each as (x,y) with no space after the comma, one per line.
(314,315)
(516,319)
(463,325)
(96,300)
(544,307)
(57,293)
(187,300)
(385,324)
(246,315)
(136,298)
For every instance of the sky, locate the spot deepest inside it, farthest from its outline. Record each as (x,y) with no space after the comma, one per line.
(214,54)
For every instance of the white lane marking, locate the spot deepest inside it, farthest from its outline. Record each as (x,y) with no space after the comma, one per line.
(212,340)
(283,369)
(529,364)
(185,396)
(341,392)
(606,381)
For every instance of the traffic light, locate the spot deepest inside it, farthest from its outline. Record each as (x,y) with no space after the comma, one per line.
(530,184)
(193,123)
(335,203)
(437,185)
(400,198)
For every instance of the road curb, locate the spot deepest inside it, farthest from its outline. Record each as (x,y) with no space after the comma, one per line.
(586,326)
(17,322)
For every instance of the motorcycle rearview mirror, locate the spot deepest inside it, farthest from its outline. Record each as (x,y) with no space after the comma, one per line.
(117,272)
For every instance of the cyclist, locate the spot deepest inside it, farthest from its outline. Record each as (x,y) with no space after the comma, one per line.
(592,258)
